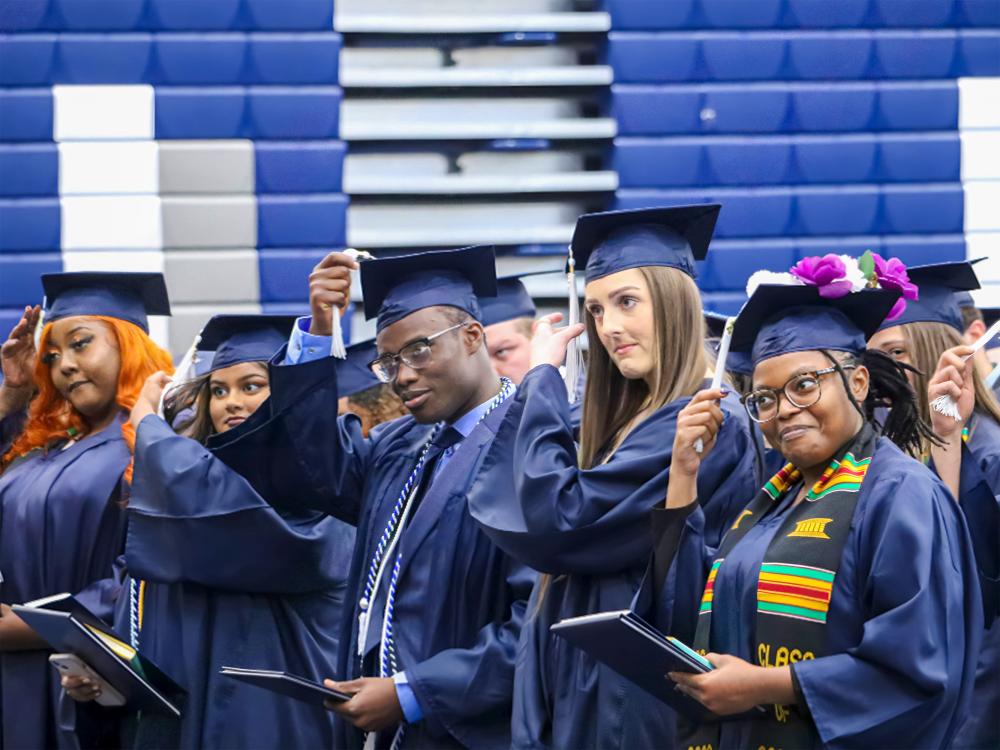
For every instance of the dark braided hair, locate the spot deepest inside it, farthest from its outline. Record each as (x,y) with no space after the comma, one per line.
(889,387)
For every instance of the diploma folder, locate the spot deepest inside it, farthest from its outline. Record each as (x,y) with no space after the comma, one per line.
(625,643)
(286,684)
(115,661)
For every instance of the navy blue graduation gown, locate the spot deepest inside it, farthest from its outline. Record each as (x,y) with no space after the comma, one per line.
(979,497)
(61,529)
(460,601)
(589,529)
(231,581)
(904,623)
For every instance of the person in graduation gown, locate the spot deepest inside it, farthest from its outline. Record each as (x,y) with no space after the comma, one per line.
(218,577)
(66,445)
(434,608)
(843,599)
(929,336)
(580,517)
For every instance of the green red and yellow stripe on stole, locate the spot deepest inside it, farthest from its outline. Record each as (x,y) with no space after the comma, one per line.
(706,597)
(799,591)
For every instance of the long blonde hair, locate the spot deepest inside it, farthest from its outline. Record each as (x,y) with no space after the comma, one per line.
(926,343)
(612,403)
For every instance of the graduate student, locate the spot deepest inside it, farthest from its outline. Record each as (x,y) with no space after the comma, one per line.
(844,598)
(66,446)
(508,319)
(218,577)
(580,516)
(929,336)
(434,609)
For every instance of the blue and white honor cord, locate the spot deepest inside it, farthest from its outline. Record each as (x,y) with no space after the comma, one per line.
(133,613)
(387,549)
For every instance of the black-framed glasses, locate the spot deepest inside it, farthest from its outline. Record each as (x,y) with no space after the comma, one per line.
(417,354)
(802,391)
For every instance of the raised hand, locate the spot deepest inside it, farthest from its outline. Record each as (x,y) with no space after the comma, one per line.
(953,377)
(329,287)
(148,401)
(17,358)
(548,344)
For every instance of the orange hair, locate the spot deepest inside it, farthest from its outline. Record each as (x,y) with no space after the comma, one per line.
(51,416)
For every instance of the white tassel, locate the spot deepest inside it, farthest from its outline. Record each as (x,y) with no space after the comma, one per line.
(337,348)
(720,368)
(574,357)
(184,372)
(37,334)
(946,404)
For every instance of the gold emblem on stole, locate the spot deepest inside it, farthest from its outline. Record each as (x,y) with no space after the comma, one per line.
(813,528)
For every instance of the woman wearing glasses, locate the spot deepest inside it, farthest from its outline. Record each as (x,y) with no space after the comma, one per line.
(928,336)
(843,600)
(580,516)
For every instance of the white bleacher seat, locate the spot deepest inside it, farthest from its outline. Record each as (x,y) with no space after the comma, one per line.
(454,225)
(577,75)
(472,23)
(208,276)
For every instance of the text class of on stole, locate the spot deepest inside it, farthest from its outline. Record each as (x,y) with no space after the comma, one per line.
(407,522)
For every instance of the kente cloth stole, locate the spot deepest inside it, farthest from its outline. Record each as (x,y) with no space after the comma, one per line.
(794,585)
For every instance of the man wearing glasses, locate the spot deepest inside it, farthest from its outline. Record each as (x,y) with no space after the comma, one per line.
(428,652)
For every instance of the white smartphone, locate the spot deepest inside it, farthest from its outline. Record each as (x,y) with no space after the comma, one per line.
(74,666)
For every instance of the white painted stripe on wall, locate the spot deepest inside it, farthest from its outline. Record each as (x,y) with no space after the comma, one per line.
(84,113)
(108,168)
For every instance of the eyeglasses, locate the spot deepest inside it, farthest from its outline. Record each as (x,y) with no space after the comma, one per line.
(802,391)
(416,354)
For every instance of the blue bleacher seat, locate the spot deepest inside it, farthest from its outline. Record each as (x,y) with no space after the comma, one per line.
(20,278)
(289,15)
(923,209)
(187,59)
(738,57)
(651,110)
(828,107)
(200,112)
(104,58)
(837,210)
(724,303)
(835,159)
(754,212)
(658,162)
(651,14)
(195,15)
(295,58)
(979,13)
(916,54)
(301,221)
(27,59)
(628,199)
(29,170)
(745,109)
(284,273)
(823,14)
(99,15)
(913,13)
(740,14)
(26,115)
(24,15)
(748,161)
(854,246)
(29,225)
(300,112)
(652,58)
(298,309)
(927,157)
(918,106)
(843,56)
(297,167)
(918,251)
(731,262)
(979,53)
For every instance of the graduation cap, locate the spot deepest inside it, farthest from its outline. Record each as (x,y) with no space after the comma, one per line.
(715,324)
(244,338)
(353,373)
(613,241)
(396,287)
(512,300)
(937,301)
(779,319)
(126,296)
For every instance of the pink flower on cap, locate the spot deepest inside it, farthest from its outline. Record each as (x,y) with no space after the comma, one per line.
(827,273)
(891,274)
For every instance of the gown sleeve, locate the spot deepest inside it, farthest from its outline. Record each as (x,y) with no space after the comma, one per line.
(10,429)
(979,498)
(294,451)
(912,582)
(192,518)
(458,685)
(567,520)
